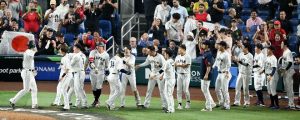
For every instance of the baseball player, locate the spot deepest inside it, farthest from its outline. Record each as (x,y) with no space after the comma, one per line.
(245,62)
(205,81)
(28,73)
(115,68)
(259,74)
(287,72)
(128,65)
(168,74)
(223,64)
(78,71)
(272,77)
(98,62)
(156,61)
(183,63)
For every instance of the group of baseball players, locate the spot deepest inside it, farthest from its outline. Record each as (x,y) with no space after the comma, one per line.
(166,72)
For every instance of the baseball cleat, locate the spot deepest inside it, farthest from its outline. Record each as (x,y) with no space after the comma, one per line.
(261,105)
(94,103)
(179,107)
(12,105)
(235,105)
(225,108)
(206,110)
(63,109)
(34,107)
(188,105)
(246,105)
(122,106)
(108,106)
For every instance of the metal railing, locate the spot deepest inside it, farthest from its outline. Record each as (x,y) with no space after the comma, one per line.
(132,22)
(113,45)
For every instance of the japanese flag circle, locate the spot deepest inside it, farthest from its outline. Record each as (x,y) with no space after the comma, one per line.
(19,43)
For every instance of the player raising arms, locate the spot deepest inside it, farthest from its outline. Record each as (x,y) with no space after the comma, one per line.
(156,61)
(168,74)
(129,62)
(183,63)
(98,61)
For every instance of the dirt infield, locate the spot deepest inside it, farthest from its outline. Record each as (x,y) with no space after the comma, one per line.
(9,115)
(196,94)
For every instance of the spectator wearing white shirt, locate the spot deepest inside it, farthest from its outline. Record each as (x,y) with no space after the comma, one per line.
(190,44)
(174,29)
(162,11)
(190,24)
(177,8)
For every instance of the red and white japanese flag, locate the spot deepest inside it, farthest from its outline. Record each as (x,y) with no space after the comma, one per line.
(14,42)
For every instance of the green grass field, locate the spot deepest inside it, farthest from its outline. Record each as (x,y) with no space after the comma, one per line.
(155,113)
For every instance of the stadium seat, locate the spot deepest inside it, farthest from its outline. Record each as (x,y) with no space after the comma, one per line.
(294,27)
(263,13)
(293,39)
(225,4)
(246,3)
(69,38)
(246,12)
(106,28)
(294,22)
(263,17)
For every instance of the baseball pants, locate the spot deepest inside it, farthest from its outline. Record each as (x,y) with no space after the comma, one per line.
(78,88)
(242,80)
(259,80)
(288,86)
(272,84)
(65,83)
(132,80)
(29,84)
(169,89)
(209,103)
(150,88)
(221,88)
(97,80)
(115,89)
(183,83)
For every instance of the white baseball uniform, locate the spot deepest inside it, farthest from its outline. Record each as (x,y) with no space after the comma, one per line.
(131,78)
(191,47)
(54,19)
(98,67)
(114,67)
(183,77)
(169,77)
(288,75)
(156,63)
(77,68)
(244,77)
(27,75)
(259,79)
(223,64)
(270,62)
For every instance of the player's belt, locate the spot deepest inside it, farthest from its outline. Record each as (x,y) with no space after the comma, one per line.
(222,71)
(182,73)
(76,72)
(113,73)
(29,69)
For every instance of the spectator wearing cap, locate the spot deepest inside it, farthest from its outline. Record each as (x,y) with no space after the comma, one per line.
(16,7)
(216,10)
(231,15)
(238,6)
(92,13)
(269,4)
(277,29)
(236,32)
(173,48)
(182,11)
(157,31)
(53,17)
(47,42)
(253,20)
(201,14)
(162,11)
(285,23)
(72,21)
(190,25)
(60,41)
(174,29)
(32,19)
(144,41)
(190,44)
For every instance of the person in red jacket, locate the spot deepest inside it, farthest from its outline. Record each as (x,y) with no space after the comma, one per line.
(276,37)
(32,19)
(202,15)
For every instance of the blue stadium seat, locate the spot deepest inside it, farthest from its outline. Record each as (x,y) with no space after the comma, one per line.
(293,47)
(69,38)
(246,3)
(293,39)
(106,28)
(263,17)
(263,13)
(225,4)
(244,18)
(246,12)
(294,22)
(294,27)
(242,28)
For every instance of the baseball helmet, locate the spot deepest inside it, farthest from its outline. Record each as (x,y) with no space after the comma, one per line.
(31,44)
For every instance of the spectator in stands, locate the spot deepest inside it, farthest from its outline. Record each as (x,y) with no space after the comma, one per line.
(201,14)
(3,7)
(144,41)
(197,4)
(47,42)
(157,46)
(190,25)
(269,4)
(63,7)
(158,30)
(177,8)
(174,29)
(36,6)
(253,20)
(60,41)
(5,21)
(79,9)
(72,21)
(238,6)
(91,44)
(285,23)
(231,15)
(217,11)
(173,48)
(276,37)
(190,44)
(270,25)
(14,26)
(32,19)
(135,50)
(92,13)
(222,36)
(53,17)
(236,32)
(261,34)
(162,12)
(16,7)
(287,6)
(149,8)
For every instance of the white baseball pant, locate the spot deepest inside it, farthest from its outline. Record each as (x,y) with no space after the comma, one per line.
(221,88)
(132,80)
(259,80)
(272,84)
(242,80)
(97,79)
(78,88)
(209,102)
(65,83)
(183,83)
(168,92)
(150,88)
(115,89)
(29,84)
(288,86)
